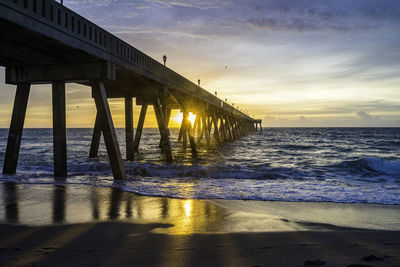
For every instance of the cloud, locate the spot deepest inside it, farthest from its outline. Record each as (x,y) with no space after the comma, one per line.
(338,15)
(304,119)
(303,62)
(367,117)
(240,15)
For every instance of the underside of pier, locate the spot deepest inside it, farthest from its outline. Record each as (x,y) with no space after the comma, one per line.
(50,44)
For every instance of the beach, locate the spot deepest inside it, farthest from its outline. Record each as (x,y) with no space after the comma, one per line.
(200,133)
(67,225)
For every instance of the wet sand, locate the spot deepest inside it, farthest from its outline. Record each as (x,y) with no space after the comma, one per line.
(47,225)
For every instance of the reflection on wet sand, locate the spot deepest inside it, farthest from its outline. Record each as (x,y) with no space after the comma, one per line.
(115,203)
(59,200)
(105,204)
(10,202)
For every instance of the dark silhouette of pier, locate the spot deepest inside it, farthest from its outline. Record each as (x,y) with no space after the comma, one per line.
(44,42)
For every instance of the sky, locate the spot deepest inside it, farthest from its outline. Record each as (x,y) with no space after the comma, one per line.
(310,63)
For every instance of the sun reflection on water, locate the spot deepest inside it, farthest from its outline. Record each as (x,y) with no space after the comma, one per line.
(188,207)
(69,205)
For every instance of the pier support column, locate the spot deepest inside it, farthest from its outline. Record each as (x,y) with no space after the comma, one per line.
(222,128)
(167,116)
(139,128)
(180,136)
(235,129)
(196,127)
(229,127)
(201,129)
(239,127)
(107,125)
(164,132)
(227,130)
(184,129)
(187,133)
(16,128)
(216,130)
(94,146)
(209,125)
(130,155)
(59,130)
(205,129)
(191,138)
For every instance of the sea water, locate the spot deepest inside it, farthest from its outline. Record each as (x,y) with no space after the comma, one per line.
(348,165)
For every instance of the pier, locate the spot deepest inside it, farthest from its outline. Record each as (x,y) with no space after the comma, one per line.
(44,42)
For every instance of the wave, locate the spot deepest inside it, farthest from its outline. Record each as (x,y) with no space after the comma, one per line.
(260,172)
(372,164)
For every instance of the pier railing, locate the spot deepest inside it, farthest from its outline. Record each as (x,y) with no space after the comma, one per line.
(106,46)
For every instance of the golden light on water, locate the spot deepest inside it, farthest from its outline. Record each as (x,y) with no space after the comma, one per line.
(179,117)
(188,208)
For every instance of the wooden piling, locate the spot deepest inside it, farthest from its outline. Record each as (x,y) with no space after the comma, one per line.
(206,131)
(94,146)
(216,131)
(59,129)
(163,130)
(139,128)
(229,127)
(191,138)
(130,155)
(222,128)
(16,128)
(110,137)
(167,114)
(235,128)
(200,129)
(181,130)
(184,127)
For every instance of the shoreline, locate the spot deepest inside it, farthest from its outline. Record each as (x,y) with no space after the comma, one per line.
(64,225)
(68,204)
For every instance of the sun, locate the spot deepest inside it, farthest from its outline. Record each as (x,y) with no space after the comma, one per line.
(192,118)
(179,117)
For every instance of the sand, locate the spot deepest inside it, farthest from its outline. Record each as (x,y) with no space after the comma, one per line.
(46,225)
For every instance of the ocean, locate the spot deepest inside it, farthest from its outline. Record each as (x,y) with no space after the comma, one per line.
(346,165)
